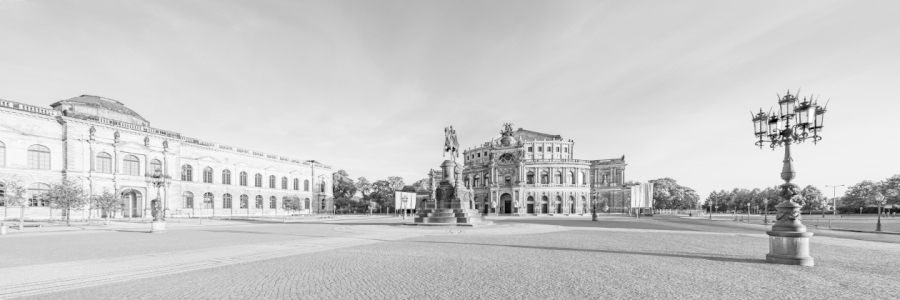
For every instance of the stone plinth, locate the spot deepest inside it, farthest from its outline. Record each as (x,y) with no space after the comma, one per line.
(788,240)
(158,227)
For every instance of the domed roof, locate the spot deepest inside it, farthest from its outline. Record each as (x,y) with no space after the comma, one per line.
(102,102)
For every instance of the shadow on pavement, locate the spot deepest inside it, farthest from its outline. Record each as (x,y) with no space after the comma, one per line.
(714,258)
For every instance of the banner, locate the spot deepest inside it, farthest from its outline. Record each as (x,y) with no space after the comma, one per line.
(642,195)
(404,200)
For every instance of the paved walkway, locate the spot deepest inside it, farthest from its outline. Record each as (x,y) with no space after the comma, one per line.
(527,258)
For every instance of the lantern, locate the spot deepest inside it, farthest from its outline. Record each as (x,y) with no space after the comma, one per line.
(819,118)
(787,103)
(803,112)
(760,124)
(773,124)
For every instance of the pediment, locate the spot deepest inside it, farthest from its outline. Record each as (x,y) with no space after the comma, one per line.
(208,158)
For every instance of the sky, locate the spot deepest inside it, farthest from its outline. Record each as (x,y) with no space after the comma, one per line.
(368,86)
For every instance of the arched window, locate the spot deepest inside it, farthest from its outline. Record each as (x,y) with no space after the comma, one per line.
(477,180)
(2,154)
(226,201)
(243,179)
(273,202)
(508,180)
(187,200)
(296,184)
(207,175)
(131,165)
(271,181)
(103,163)
(226,176)
(529,177)
(37,194)
(558,177)
(207,200)
(187,173)
(259,200)
(258,180)
(155,165)
(583,178)
(306,204)
(38,157)
(574,180)
(244,201)
(283,183)
(322,186)
(2,194)
(306,185)
(545,179)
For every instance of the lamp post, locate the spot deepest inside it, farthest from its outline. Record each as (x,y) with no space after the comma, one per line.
(157,179)
(788,239)
(834,197)
(403,200)
(879,198)
(594,207)
(766,208)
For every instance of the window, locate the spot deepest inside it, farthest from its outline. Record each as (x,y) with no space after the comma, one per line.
(572,175)
(207,175)
(530,149)
(37,191)
(226,176)
(258,180)
(259,200)
(296,184)
(2,154)
(477,180)
(540,149)
(243,178)
(557,149)
(306,185)
(479,154)
(131,165)
(244,202)
(187,200)
(508,180)
(226,201)
(103,163)
(155,165)
(207,200)
(322,186)
(529,177)
(566,149)
(271,181)
(273,202)
(38,157)
(187,173)
(306,204)
(545,179)
(558,177)
(283,183)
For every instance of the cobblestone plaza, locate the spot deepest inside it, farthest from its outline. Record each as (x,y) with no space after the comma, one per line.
(371,258)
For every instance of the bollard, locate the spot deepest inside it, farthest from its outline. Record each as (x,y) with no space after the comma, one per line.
(3,229)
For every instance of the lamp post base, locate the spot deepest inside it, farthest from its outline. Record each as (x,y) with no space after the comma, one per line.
(789,248)
(158,227)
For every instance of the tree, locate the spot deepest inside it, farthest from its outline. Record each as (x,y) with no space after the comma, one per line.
(812,197)
(343,186)
(15,196)
(109,202)
(293,203)
(668,194)
(421,185)
(860,194)
(364,187)
(68,195)
(382,193)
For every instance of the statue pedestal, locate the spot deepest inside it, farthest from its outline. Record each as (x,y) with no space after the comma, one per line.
(788,240)
(158,227)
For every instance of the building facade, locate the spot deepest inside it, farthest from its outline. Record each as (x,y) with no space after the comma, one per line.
(106,146)
(527,172)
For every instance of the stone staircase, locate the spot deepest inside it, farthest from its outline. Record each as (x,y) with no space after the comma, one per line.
(450,216)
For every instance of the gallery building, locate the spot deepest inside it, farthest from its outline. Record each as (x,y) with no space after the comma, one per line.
(106,146)
(527,172)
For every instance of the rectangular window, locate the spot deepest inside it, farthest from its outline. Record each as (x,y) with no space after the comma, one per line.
(557,149)
(272,204)
(566,150)
(540,149)
(38,160)
(530,149)
(104,165)
(479,154)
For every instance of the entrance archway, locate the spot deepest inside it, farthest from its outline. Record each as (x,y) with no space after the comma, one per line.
(544,207)
(530,208)
(571,204)
(506,199)
(559,205)
(134,203)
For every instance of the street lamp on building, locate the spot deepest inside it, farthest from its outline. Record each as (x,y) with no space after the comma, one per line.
(790,242)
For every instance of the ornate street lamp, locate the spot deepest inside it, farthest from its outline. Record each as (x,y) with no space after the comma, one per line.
(594,207)
(788,239)
(157,179)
